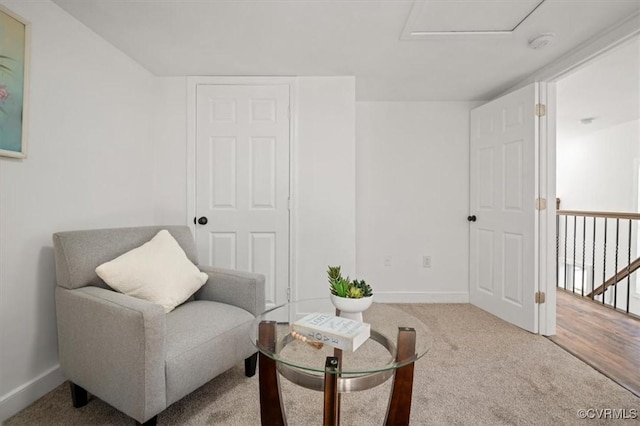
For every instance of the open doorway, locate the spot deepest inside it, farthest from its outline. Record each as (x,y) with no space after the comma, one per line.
(597,226)
(597,158)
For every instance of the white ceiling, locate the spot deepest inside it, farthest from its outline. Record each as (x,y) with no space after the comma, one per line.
(350,37)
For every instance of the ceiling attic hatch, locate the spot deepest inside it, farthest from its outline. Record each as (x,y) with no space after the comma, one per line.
(430,18)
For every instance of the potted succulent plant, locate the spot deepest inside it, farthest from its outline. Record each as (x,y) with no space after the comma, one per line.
(351,298)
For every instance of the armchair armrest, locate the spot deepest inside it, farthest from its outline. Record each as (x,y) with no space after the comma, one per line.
(113,345)
(242,289)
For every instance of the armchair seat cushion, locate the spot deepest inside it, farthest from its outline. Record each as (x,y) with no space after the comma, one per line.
(203,339)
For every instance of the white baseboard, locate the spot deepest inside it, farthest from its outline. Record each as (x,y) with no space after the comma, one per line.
(421,297)
(23,396)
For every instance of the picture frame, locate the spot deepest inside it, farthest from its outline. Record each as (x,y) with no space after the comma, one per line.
(15,54)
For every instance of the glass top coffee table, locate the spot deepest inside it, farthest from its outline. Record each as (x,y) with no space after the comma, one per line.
(396,341)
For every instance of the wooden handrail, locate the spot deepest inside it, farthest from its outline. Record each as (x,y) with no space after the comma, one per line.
(612,215)
(621,275)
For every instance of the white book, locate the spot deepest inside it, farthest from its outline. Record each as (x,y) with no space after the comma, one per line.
(341,333)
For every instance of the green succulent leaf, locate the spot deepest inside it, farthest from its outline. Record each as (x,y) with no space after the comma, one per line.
(334,273)
(363,287)
(343,287)
(340,287)
(354,293)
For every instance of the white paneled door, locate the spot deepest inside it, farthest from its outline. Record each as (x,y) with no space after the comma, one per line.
(503,188)
(242,181)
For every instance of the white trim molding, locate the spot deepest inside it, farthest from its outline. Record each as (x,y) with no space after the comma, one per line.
(547,230)
(24,395)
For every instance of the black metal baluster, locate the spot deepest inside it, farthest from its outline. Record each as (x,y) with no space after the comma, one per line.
(593,262)
(629,268)
(615,270)
(565,251)
(573,265)
(584,246)
(604,261)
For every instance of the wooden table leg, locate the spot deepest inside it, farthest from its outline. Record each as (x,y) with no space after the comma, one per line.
(331,395)
(271,409)
(399,409)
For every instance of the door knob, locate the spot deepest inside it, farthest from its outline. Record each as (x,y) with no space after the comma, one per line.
(203,220)
(471,218)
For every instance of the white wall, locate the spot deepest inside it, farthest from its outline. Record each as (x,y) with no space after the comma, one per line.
(90,164)
(597,171)
(412,191)
(325,195)
(170,151)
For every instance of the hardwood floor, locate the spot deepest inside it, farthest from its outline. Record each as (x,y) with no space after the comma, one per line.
(607,340)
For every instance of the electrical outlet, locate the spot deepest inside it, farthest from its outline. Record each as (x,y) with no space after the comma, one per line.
(426,261)
(388,260)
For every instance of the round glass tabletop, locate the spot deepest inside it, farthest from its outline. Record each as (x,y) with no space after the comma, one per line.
(378,353)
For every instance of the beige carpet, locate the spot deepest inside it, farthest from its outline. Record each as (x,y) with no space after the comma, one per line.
(480,371)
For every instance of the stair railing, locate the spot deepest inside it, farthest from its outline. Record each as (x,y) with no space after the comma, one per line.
(589,245)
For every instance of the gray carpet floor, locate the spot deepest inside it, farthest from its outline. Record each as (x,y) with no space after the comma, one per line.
(480,371)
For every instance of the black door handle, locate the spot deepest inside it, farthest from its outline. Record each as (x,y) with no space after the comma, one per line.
(471,218)
(203,220)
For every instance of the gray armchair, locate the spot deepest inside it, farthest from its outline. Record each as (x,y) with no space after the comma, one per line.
(127,351)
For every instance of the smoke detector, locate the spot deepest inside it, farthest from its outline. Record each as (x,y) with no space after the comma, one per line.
(541,41)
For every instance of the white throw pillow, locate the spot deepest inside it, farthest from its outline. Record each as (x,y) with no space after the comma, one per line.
(158,271)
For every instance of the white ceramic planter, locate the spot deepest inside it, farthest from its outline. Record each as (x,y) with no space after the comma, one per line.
(351,308)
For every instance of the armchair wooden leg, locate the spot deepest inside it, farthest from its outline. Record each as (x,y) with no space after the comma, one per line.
(250,365)
(78,395)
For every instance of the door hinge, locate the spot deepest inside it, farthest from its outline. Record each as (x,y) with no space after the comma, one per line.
(541,297)
(289,203)
(541,110)
(288,294)
(541,203)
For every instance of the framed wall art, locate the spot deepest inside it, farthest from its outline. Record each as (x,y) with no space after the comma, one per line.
(14,83)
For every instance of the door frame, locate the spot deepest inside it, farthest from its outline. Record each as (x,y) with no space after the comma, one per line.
(192,85)
(547,77)
(547,217)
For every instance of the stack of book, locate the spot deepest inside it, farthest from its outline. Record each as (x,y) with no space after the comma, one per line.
(341,333)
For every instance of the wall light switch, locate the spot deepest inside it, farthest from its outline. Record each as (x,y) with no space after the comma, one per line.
(426,261)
